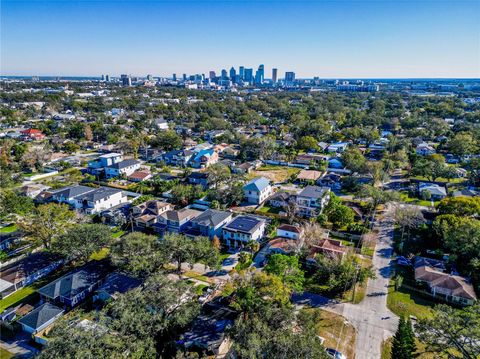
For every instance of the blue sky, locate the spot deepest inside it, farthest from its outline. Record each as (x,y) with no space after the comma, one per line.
(379,38)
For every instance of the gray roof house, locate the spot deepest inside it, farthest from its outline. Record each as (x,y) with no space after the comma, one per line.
(40,318)
(74,287)
(257,190)
(209,223)
(311,200)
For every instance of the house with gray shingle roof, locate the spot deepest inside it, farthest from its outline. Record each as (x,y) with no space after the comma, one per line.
(257,190)
(40,318)
(73,288)
(209,223)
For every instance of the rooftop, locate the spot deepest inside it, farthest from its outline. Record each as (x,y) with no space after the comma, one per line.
(244,224)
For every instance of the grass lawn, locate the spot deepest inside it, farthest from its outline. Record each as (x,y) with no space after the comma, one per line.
(333,327)
(195,275)
(420,202)
(118,233)
(26,295)
(9,229)
(405,302)
(266,209)
(5,354)
(274,173)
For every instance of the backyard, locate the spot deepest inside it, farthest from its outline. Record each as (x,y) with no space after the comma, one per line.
(277,174)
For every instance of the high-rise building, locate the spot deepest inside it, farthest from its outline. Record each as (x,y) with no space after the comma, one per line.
(289,78)
(241,72)
(233,73)
(260,75)
(184,77)
(274,75)
(149,77)
(107,78)
(103,77)
(224,74)
(248,75)
(212,75)
(126,80)
(174,77)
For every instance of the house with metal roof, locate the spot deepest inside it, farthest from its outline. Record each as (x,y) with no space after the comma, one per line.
(257,190)
(242,230)
(40,318)
(209,223)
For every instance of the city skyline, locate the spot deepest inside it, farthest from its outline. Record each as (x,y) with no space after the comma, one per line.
(345,39)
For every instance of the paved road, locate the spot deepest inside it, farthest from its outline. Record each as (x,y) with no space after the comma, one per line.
(372,319)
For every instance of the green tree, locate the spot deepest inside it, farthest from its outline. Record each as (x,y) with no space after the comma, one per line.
(463,143)
(453,332)
(354,160)
(431,167)
(287,268)
(81,241)
(218,174)
(168,140)
(14,204)
(460,206)
(403,346)
(47,222)
(138,254)
(307,143)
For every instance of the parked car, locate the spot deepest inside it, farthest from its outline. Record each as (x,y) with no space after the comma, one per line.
(335,354)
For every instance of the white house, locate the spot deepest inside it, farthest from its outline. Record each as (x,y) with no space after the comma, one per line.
(103,161)
(424,149)
(289,231)
(91,200)
(337,147)
(257,190)
(124,168)
(242,230)
(436,192)
(311,200)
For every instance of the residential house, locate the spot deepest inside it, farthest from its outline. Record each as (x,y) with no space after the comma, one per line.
(209,332)
(198,178)
(328,247)
(289,231)
(175,221)
(209,223)
(308,158)
(308,176)
(89,199)
(122,169)
(335,163)
(26,271)
(311,200)
(146,214)
(40,318)
(257,190)
(115,283)
(139,176)
(204,158)
(337,147)
(98,165)
(242,230)
(331,180)
(424,149)
(451,288)
(161,124)
(33,134)
(178,158)
(32,190)
(434,191)
(280,245)
(279,199)
(73,288)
